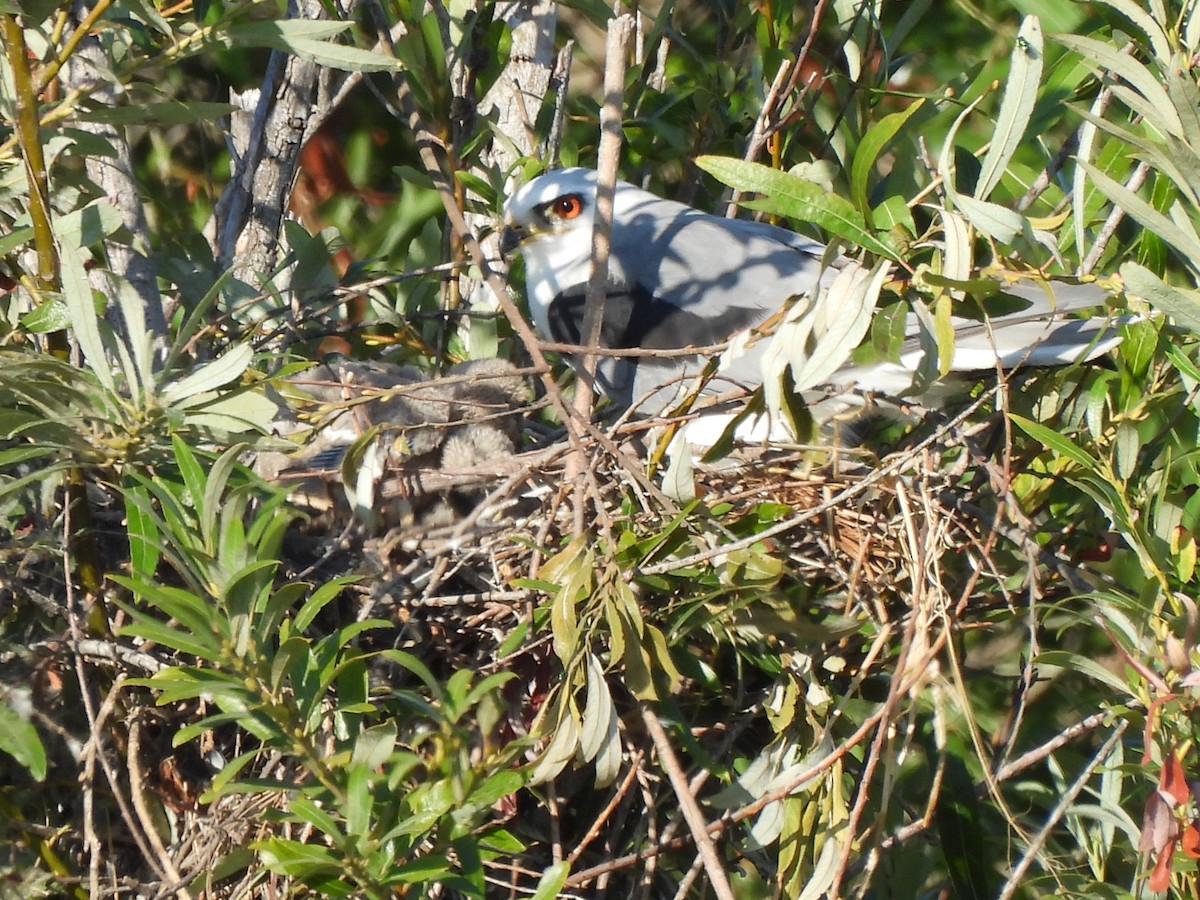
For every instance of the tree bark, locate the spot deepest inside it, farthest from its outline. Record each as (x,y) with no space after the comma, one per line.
(129,259)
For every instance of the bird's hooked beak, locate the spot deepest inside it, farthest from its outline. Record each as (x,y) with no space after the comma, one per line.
(511,238)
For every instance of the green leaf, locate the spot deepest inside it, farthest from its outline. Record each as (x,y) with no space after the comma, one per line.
(88,225)
(51,315)
(210,501)
(893,214)
(18,237)
(306,39)
(427,868)
(227,367)
(77,294)
(1016,108)
(374,746)
(144,538)
(839,324)
(19,739)
(564,741)
(193,613)
(320,598)
(997,222)
(786,195)
(233,412)
(599,722)
(1057,442)
(288,857)
(1175,230)
(308,811)
(1077,662)
(194,478)
(1181,304)
(418,668)
(360,802)
(166,113)
(494,787)
(1150,99)
(877,139)
(552,881)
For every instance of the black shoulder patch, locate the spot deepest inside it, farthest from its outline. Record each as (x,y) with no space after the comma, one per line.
(633,318)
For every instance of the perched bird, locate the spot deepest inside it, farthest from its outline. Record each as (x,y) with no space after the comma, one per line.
(679,278)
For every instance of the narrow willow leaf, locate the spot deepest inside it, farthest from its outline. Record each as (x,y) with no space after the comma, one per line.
(1053,660)
(341,56)
(139,364)
(893,213)
(564,623)
(225,368)
(89,225)
(1169,155)
(1146,23)
(679,481)
(1016,108)
(77,294)
(552,880)
(1126,448)
(958,250)
(944,333)
(295,858)
(230,413)
(269,32)
(18,237)
(1104,58)
(193,474)
(914,12)
(143,531)
(639,677)
(598,730)
(843,319)
(214,488)
(786,195)
(51,315)
(19,739)
(1185,98)
(660,656)
(1087,141)
(167,113)
(1181,304)
(877,139)
(1184,241)
(1150,113)
(1191,31)
(563,745)
(1057,442)
(949,175)
(997,222)
(824,871)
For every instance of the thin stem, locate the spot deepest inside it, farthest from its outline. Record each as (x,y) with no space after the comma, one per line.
(31,153)
(50,72)
(697,824)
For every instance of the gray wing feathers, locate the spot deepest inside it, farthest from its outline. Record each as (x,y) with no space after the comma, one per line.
(711,267)
(706,264)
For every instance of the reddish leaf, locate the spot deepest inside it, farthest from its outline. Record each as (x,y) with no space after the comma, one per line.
(1160,878)
(1190,840)
(1171,781)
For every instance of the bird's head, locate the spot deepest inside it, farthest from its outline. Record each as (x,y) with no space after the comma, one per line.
(551,214)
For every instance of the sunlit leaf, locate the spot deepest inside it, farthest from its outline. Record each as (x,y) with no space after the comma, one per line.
(795,198)
(1016,108)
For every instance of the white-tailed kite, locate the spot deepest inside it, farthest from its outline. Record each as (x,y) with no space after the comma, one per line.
(679,278)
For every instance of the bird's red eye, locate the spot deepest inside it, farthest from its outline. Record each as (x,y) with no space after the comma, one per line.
(568,207)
